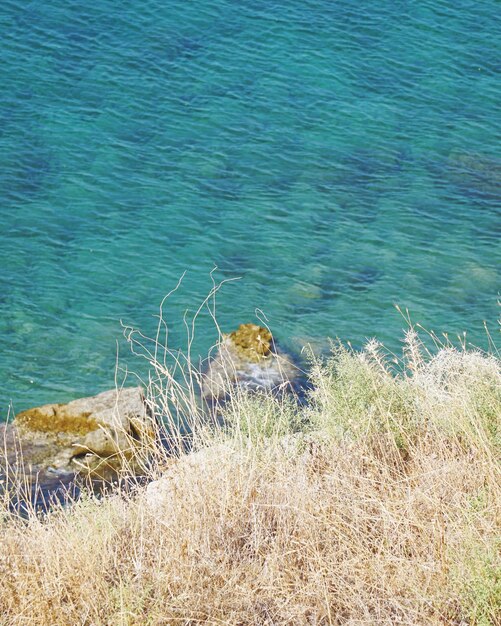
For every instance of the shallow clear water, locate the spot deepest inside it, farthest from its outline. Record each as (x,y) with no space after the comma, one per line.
(339,157)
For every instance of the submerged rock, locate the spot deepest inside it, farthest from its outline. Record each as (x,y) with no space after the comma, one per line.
(248,359)
(93,434)
(478,172)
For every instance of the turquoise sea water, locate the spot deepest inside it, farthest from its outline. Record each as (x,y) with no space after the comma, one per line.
(339,157)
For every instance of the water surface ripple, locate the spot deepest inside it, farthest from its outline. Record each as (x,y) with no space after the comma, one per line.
(340,157)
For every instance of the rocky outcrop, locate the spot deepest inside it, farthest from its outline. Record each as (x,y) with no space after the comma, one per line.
(93,434)
(49,446)
(190,469)
(249,359)
(189,472)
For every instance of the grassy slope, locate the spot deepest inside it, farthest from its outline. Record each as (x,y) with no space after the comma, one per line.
(378,503)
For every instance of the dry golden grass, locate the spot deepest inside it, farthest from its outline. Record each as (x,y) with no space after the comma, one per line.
(377,503)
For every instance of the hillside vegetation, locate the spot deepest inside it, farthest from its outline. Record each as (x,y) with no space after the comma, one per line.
(376,501)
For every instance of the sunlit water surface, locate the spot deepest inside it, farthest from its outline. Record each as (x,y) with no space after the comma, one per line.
(339,157)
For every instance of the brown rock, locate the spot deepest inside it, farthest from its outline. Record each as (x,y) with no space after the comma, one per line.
(248,358)
(252,342)
(87,434)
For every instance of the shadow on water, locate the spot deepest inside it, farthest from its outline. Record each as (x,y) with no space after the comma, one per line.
(27,486)
(41,493)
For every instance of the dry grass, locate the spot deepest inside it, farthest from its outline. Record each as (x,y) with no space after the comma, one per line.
(377,503)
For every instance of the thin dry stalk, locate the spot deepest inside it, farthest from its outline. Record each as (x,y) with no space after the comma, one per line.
(378,503)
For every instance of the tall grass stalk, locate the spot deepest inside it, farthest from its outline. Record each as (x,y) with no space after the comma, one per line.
(376,503)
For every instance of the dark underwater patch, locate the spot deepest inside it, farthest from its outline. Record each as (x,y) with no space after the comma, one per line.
(363,278)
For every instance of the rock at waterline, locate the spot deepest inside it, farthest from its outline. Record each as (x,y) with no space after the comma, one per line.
(49,446)
(91,435)
(248,359)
